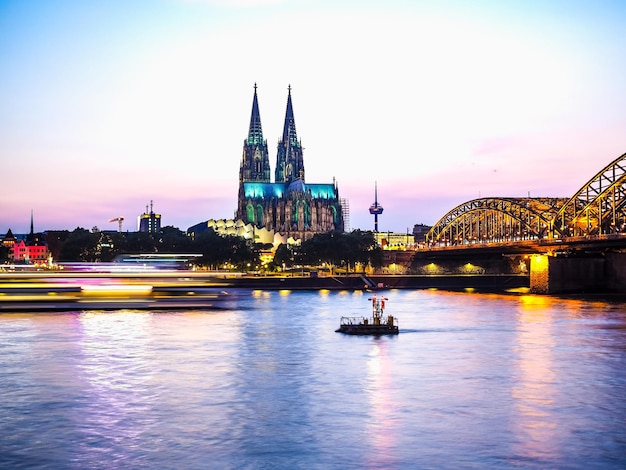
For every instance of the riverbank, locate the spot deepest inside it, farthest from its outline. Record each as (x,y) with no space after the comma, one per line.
(64,291)
(479,282)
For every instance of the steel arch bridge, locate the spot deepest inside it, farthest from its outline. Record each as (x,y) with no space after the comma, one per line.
(598,208)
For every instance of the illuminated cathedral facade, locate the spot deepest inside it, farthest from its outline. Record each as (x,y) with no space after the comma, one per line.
(289,205)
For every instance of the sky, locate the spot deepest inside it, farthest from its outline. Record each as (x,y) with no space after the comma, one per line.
(107,106)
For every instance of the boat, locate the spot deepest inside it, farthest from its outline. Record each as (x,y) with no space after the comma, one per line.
(377,324)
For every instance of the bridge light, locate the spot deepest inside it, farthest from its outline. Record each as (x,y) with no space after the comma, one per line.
(432,268)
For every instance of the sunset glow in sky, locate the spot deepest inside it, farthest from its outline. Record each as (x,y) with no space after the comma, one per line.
(105,106)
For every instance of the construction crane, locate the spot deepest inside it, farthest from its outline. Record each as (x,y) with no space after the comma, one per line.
(119,220)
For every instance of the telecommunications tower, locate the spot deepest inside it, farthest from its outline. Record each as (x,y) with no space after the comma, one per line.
(376,208)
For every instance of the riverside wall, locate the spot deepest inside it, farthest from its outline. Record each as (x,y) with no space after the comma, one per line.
(604,272)
(455,282)
(580,272)
(479,282)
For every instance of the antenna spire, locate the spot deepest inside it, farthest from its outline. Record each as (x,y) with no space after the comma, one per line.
(376,209)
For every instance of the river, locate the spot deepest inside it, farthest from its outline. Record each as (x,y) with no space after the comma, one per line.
(263,381)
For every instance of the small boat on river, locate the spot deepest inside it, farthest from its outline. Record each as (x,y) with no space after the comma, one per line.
(377,324)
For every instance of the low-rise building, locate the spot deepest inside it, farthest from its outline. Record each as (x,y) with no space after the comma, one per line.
(395,240)
(26,253)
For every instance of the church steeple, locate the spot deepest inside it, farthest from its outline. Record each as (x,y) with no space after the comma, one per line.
(289,128)
(30,238)
(289,161)
(255,162)
(255,133)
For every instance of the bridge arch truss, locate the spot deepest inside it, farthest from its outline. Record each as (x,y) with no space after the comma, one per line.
(599,207)
(496,220)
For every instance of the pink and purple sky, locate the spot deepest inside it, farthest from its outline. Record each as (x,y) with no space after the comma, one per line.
(105,106)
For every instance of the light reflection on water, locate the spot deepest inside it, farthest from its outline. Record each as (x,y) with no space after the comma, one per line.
(380,429)
(472,381)
(115,374)
(533,392)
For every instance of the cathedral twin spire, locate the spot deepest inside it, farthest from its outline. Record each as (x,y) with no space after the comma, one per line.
(255,161)
(255,134)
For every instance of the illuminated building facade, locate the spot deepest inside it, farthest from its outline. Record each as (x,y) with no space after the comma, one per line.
(288,205)
(395,240)
(9,241)
(149,221)
(27,250)
(26,253)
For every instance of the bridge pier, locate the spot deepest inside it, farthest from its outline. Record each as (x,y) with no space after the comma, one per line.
(616,271)
(561,275)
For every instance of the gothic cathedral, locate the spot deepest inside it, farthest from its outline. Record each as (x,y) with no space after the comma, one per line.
(288,206)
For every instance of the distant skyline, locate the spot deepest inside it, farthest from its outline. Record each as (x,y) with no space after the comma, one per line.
(106,106)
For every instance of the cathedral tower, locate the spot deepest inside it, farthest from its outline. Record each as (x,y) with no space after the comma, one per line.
(289,162)
(255,162)
(287,206)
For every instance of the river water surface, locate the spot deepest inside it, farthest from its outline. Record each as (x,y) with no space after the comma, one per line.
(264,382)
